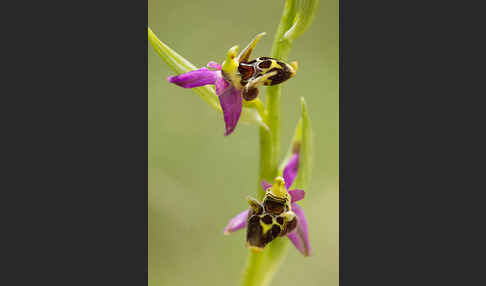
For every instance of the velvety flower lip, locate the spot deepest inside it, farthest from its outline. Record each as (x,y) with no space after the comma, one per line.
(229,96)
(300,236)
(239,221)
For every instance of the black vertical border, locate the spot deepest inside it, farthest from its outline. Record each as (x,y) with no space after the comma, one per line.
(80,202)
(410,152)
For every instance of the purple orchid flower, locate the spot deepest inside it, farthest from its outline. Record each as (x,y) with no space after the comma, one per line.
(300,236)
(229,96)
(237,79)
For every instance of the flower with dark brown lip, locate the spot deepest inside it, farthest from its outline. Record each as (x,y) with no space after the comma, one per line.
(237,79)
(298,235)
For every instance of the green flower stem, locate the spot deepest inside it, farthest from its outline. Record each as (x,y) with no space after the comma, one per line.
(253,273)
(262,266)
(270,141)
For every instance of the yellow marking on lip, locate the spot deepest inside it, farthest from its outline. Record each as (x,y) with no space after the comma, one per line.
(256,82)
(275,65)
(265,227)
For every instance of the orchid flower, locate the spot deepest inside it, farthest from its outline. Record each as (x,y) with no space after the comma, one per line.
(299,236)
(237,80)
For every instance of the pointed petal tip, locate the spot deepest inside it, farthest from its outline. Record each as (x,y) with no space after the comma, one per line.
(266,185)
(307,252)
(233,51)
(227,230)
(231,104)
(300,236)
(302,101)
(214,65)
(236,223)
(229,131)
(195,78)
(291,170)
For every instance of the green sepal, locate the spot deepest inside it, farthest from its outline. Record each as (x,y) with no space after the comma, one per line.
(244,56)
(303,20)
(302,142)
(252,116)
(179,64)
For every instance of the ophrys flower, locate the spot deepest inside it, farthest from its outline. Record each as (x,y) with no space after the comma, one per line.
(237,79)
(277,215)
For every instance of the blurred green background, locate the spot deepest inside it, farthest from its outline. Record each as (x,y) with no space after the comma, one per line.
(199,179)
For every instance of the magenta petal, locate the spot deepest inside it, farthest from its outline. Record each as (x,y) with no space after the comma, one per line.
(236,223)
(231,103)
(221,85)
(214,65)
(290,171)
(296,195)
(298,243)
(266,185)
(200,77)
(300,236)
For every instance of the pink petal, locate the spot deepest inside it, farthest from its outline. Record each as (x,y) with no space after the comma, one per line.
(296,195)
(231,103)
(290,171)
(266,185)
(300,236)
(236,223)
(196,78)
(221,85)
(214,65)
(298,243)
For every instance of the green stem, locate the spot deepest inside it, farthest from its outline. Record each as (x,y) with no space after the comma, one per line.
(252,274)
(262,266)
(270,141)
